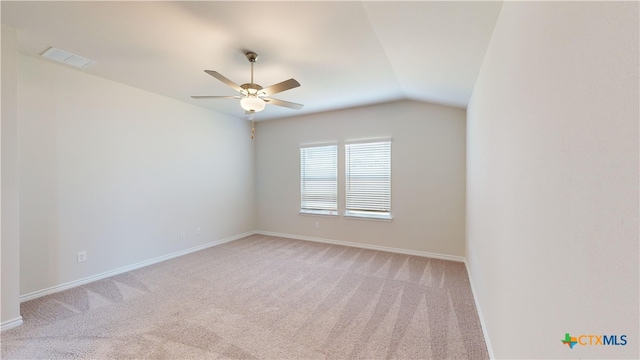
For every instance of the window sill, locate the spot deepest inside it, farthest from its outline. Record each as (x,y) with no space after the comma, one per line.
(372,217)
(329,213)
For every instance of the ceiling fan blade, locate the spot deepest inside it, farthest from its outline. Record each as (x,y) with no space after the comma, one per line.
(230,83)
(287,104)
(216,97)
(280,87)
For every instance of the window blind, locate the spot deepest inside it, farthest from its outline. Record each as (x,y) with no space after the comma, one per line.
(319,180)
(368,179)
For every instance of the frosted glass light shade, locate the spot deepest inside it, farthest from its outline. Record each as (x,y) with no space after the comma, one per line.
(252,103)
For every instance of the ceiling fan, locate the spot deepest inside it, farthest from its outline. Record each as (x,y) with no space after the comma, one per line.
(253,97)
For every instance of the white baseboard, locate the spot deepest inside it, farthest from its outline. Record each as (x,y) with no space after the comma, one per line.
(366,246)
(10,324)
(72,284)
(482,323)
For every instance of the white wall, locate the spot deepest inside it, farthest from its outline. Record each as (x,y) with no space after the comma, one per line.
(428,175)
(119,172)
(10,188)
(552,179)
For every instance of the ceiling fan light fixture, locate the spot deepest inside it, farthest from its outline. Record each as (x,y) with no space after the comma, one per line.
(252,103)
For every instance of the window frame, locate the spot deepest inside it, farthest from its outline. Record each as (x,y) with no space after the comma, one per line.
(308,210)
(361,213)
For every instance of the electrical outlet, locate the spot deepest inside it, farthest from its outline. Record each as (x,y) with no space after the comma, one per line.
(82,256)
(317,225)
(183,234)
(198,231)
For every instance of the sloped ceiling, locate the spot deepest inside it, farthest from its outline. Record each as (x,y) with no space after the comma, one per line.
(344,54)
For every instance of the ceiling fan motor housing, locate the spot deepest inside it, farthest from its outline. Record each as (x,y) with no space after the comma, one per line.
(252,89)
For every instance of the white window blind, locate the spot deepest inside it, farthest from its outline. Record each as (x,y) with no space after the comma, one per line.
(319,180)
(368,179)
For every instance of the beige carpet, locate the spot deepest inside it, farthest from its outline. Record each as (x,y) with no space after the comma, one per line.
(261,297)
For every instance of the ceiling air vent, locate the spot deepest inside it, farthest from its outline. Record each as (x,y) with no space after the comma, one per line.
(67,58)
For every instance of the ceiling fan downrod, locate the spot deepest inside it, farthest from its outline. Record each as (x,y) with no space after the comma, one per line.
(252,57)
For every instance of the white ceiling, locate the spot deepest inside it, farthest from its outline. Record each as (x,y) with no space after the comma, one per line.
(344,54)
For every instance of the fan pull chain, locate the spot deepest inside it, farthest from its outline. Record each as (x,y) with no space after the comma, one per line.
(253,129)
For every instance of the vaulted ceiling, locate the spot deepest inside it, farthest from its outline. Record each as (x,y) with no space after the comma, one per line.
(344,54)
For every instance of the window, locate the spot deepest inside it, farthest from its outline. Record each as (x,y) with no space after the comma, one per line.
(368,179)
(319,180)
